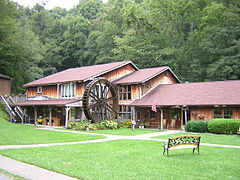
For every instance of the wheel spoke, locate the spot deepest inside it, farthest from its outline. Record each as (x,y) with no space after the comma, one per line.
(110,108)
(111,98)
(92,106)
(96,98)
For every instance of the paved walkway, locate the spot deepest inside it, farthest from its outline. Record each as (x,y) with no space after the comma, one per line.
(36,173)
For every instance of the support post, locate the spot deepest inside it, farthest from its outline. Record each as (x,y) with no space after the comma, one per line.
(50,116)
(35,115)
(161,119)
(57,90)
(181,117)
(185,117)
(24,115)
(66,116)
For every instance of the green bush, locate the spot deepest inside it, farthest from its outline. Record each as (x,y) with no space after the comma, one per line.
(196,126)
(224,126)
(83,125)
(109,124)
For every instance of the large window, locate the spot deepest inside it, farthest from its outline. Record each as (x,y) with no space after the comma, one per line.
(223,113)
(228,113)
(217,113)
(124,112)
(68,90)
(124,92)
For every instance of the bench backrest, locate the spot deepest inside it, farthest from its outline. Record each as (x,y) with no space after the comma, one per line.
(184,140)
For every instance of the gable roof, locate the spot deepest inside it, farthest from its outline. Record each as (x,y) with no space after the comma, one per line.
(79,74)
(143,75)
(191,94)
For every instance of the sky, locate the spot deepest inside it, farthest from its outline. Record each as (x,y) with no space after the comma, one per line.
(68,4)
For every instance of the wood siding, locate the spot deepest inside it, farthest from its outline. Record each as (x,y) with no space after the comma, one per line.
(163,78)
(118,73)
(208,112)
(5,87)
(49,91)
(80,89)
(32,92)
(135,91)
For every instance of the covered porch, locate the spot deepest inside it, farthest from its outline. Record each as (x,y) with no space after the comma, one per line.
(51,112)
(174,117)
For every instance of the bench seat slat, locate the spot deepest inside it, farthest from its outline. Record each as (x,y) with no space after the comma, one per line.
(183,146)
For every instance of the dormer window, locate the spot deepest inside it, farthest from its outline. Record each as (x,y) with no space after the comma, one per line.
(39,89)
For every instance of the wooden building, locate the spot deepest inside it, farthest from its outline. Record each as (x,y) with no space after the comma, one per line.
(5,85)
(179,103)
(57,99)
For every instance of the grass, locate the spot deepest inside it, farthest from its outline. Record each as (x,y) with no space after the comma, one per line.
(209,138)
(13,133)
(123,131)
(132,159)
(9,175)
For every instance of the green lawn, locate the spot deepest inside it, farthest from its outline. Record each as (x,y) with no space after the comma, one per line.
(132,159)
(12,134)
(123,131)
(209,138)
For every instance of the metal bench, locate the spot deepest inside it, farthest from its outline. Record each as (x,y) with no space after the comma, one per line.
(181,142)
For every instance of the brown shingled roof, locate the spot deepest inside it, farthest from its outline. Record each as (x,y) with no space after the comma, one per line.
(203,93)
(143,75)
(55,102)
(78,74)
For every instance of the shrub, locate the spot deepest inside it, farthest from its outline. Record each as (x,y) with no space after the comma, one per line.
(128,124)
(196,126)
(109,124)
(224,126)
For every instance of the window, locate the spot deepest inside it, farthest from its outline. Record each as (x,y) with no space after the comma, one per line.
(217,113)
(39,89)
(223,113)
(124,112)
(228,113)
(68,90)
(124,92)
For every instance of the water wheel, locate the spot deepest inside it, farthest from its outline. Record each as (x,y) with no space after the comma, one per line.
(100,100)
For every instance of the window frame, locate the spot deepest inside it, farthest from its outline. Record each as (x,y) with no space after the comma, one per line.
(124,92)
(39,89)
(68,90)
(125,112)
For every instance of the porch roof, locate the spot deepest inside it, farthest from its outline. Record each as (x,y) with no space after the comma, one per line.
(55,102)
(193,94)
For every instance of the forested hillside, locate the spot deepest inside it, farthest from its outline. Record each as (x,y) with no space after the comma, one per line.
(198,39)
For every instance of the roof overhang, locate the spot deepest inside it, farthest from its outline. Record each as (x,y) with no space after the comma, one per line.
(57,102)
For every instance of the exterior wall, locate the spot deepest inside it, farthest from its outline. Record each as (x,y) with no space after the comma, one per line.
(163,78)
(135,91)
(49,91)
(80,90)
(32,92)
(118,73)
(208,113)
(5,86)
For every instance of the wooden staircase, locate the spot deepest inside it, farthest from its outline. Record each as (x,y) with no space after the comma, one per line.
(15,113)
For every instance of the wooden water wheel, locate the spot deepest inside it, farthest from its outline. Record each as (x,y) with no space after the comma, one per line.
(100,100)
